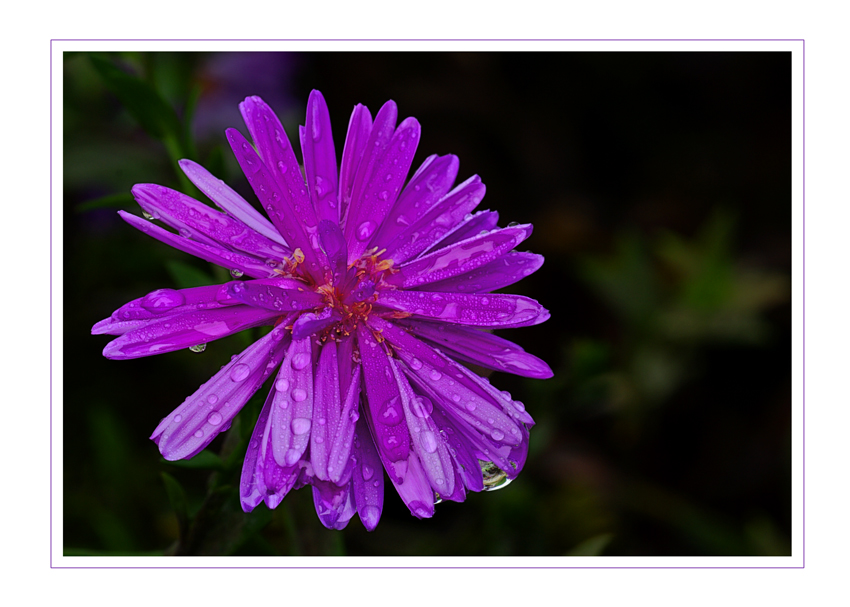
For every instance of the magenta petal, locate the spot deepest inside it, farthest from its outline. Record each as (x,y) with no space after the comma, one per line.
(359,128)
(415,491)
(428,185)
(380,187)
(480,348)
(186,330)
(459,258)
(482,221)
(367,477)
(214,254)
(210,410)
(327,408)
(436,223)
(196,220)
(491,310)
(290,218)
(343,436)
(497,274)
(317,146)
(228,200)
(271,297)
(384,410)
(292,411)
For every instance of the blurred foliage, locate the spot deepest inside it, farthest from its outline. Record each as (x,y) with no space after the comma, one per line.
(666,429)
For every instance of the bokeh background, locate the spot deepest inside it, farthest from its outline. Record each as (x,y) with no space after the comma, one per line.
(659,185)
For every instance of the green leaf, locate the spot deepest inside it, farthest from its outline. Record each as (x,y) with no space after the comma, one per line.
(177,497)
(205,460)
(592,546)
(118,201)
(186,276)
(141,100)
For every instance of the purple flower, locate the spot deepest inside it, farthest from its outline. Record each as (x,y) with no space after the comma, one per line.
(378,293)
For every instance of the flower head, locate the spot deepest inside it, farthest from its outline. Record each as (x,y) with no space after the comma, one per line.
(377,293)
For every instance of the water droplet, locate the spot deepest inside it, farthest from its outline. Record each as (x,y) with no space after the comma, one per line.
(429,441)
(519,406)
(415,364)
(178,419)
(281,166)
(147,215)
(240,372)
(456,398)
(212,399)
(497,434)
(384,195)
(291,457)
(214,418)
(365,230)
(236,273)
(300,425)
(421,406)
(300,360)
(470,406)
(494,477)
(435,375)
(484,301)
(198,348)
(162,300)
(283,404)
(199,434)
(391,413)
(354,415)
(299,395)
(282,385)
(367,472)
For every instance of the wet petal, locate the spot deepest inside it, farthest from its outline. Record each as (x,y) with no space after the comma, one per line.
(429,184)
(262,294)
(436,223)
(214,254)
(317,147)
(211,409)
(334,504)
(480,348)
(359,128)
(384,409)
(472,224)
(186,330)
(367,477)
(380,186)
(327,408)
(343,436)
(228,200)
(491,310)
(459,258)
(292,409)
(333,244)
(196,220)
(499,273)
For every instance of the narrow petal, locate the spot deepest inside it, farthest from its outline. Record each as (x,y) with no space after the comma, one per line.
(334,504)
(467,466)
(427,442)
(359,129)
(415,490)
(271,297)
(472,224)
(380,188)
(186,330)
(459,258)
(311,324)
(211,409)
(198,221)
(292,411)
(436,223)
(287,215)
(333,244)
(252,486)
(480,348)
(384,409)
(367,477)
(453,385)
(491,310)
(429,184)
(214,254)
(497,274)
(320,159)
(229,201)
(327,409)
(163,303)
(343,436)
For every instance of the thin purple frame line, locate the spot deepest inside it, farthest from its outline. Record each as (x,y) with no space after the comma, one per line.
(803,566)
(428,40)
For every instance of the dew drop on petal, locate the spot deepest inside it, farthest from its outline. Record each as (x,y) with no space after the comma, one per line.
(198,348)
(240,372)
(421,406)
(299,395)
(282,385)
(199,434)
(212,399)
(162,300)
(429,441)
(365,230)
(391,413)
(178,419)
(291,457)
(236,273)
(214,418)
(497,434)
(435,375)
(300,360)
(415,364)
(367,472)
(300,425)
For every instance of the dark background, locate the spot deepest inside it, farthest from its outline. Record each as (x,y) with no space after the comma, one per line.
(659,185)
